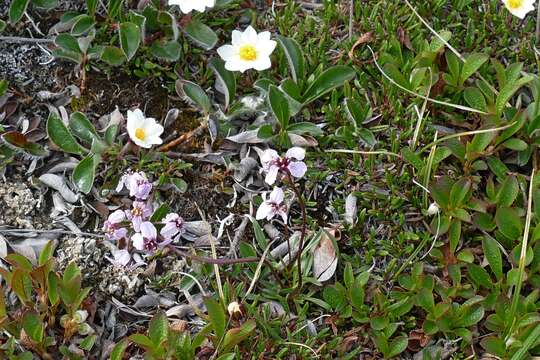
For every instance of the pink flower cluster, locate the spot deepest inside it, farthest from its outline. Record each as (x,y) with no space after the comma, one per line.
(291,166)
(134,225)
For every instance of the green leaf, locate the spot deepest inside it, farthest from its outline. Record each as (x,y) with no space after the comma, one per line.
(472,64)
(179,184)
(85,172)
(91,6)
(142,340)
(475,99)
(441,191)
(479,275)
(81,127)
(82,25)
(194,93)
(201,34)
(61,136)
(88,342)
(113,56)
(17,9)
(294,55)
(46,253)
(33,326)
(52,289)
(305,127)
(113,8)
(59,53)
(327,81)
(425,299)
(471,315)
(279,105)
(397,346)
(509,222)
(235,336)
(217,316)
(225,80)
(3,25)
(480,142)
(454,234)
(130,38)
(45,4)
(67,42)
(508,191)
(119,349)
(3,86)
(459,192)
(515,144)
(158,328)
(18,141)
(71,272)
(168,51)
(508,91)
(493,255)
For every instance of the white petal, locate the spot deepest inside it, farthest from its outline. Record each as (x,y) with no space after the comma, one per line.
(268,155)
(262,63)
(117,216)
(249,36)
(236,37)
(152,128)
(276,196)
(154,140)
(227,52)
(297,168)
(138,241)
(148,230)
(271,175)
(234,64)
(296,153)
(265,48)
(263,36)
(263,211)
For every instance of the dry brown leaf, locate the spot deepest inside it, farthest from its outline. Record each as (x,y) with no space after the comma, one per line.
(325,257)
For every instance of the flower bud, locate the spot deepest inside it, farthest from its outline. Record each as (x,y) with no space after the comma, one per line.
(433,209)
(235,311)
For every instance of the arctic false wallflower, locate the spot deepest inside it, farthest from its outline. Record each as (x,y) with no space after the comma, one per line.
(143,131)
(519,8)
(137,184)
(112,228)
(140,212)
(174,226)
(248,50)
(272,206)
(290,163)
(187,6)
(146,240)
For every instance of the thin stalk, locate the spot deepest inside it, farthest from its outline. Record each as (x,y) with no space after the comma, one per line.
(303,231)
(522,256)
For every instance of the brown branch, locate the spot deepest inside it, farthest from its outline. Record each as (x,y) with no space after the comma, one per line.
(208,260)
(184,137)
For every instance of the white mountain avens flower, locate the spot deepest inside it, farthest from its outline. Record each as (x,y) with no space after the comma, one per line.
(519,8)
(248,50)
(187,6)
(143,131)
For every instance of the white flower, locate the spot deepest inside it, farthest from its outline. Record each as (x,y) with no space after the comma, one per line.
(186,6)
(433,209)
(291,163)
(249,50)
(143,131)
(272,206)
(519,8)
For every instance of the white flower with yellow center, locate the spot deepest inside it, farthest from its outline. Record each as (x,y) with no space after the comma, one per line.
(143,131)
(519,8)
(187,6)
(248,50)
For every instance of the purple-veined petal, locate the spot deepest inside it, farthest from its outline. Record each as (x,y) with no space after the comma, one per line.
(148,230)
(263,211)
(271,175)
(117,217)
(296,153)
(276,196)
(138,241)
(136,221)
(297,168)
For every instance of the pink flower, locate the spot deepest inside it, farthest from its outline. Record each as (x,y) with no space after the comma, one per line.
(146,240)
(174,226)
(112,228)
(140,212)
(291,163)
(137,184)
(273,206)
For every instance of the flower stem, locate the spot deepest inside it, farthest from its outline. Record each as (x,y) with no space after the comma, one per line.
(302,204)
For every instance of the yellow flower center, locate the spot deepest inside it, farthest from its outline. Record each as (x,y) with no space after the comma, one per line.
(515,4)
(249,53)
(139,134)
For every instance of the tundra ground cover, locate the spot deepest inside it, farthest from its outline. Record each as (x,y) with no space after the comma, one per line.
(244,179)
